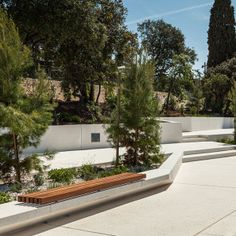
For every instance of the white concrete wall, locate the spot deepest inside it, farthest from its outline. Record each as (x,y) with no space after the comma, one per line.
(203,123)
(74,137)
(171,132)
(71,137)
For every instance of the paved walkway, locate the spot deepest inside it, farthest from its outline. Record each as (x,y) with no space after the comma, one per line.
(209,132)
(202,201)
(95,156)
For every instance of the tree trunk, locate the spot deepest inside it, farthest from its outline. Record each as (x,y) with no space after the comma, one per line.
(166,104)
(91,92)
(84,94)
(17,159)
(135,148)
(99,93)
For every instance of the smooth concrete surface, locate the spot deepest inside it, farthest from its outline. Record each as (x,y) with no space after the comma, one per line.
(203,123)
(21,215)
(201,201)
(97,156)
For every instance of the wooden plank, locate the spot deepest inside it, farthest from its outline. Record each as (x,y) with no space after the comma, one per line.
(90,186)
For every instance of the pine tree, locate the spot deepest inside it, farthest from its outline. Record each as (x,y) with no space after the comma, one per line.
(139,128)
(25,118)
(221,34)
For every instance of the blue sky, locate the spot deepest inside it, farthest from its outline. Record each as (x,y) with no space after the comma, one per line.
(191,16)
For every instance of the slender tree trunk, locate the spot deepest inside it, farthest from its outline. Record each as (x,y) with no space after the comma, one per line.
(84,94)
(17,159)
(99,93)
(136,149)
(91,92)
(166,105)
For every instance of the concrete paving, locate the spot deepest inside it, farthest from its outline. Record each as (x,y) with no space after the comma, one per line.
(209,132)
(201,201)
(77,158)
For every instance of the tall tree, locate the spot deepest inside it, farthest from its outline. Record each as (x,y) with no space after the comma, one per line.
(83,40)
(163,42)
(25,117)
(221,33)
(138,130)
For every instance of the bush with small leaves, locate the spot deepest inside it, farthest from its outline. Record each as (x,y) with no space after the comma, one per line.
(88,172)
(4,197)
(38,179)
(62,175)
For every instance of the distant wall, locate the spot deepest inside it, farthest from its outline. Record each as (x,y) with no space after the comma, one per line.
(203,123)
(74,137)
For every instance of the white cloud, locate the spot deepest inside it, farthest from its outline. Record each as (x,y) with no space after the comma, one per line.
(169,13)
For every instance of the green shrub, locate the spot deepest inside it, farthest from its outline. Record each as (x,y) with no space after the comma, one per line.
(38,179)
(15,187)
(112,171)
(62,175)
(4,197)
(88,172)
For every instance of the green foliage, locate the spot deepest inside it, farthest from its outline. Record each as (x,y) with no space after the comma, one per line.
(232,97)
(82,40)
(112,171)
(62,175)
(15,187)
(4,197)
(216,89)
(39,179)
(180,78)
(88,172)
(26,117)
(138,130)
(221,34)
(163,43)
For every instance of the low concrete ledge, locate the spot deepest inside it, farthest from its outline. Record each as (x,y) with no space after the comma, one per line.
(16,215)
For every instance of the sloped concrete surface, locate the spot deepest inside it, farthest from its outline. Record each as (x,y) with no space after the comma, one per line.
(200,202)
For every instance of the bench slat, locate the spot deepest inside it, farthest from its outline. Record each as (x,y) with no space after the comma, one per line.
(61,193)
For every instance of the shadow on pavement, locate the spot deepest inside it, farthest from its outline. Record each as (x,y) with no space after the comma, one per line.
(84,212)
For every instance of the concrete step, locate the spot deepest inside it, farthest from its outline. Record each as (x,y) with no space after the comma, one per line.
(193,139)
(209,150)
(208,156)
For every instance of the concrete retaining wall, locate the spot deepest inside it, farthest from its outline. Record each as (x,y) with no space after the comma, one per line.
(75,137)
(203,123)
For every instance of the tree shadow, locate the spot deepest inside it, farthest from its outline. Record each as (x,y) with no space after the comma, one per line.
(84,212)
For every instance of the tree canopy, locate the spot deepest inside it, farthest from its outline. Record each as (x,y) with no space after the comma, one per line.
(78,41)
(221,33)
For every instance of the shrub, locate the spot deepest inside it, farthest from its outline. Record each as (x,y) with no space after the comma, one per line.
(4,198)
(62,175)
(38,179)
(15,187)
(88,172)
(114,171)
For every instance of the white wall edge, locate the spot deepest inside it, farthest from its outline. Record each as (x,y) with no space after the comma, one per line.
(165,175)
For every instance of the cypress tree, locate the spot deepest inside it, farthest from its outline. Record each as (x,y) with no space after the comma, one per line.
(221,34)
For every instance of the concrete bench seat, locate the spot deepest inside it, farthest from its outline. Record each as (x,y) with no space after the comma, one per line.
(75,190)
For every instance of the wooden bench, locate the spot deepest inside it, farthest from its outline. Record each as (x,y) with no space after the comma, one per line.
(74,190)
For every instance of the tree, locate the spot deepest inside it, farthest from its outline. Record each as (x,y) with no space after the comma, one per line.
(180,78)
(139,127)
(221,33)
(228,69)
(232,96)
(83,41)
(25,117)
(216,89)
(163,42)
